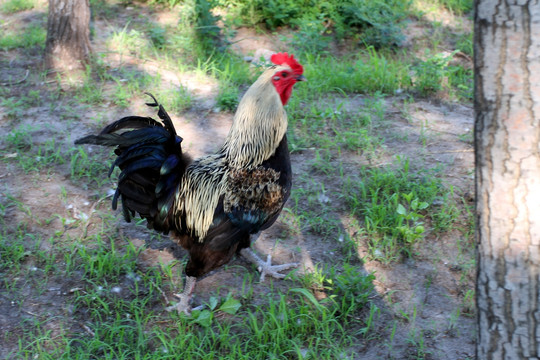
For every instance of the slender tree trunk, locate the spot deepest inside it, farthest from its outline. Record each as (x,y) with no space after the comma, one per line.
(507,144)
(68,34)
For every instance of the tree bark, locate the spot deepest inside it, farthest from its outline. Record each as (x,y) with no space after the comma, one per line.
(507,144)
(68,35)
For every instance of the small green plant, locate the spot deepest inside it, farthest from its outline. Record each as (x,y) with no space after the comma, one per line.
(368,72)
(431,73)
(31,156)
(228,96)
(468,304)
(205,317)
(19,138)
(436,74)
(352,287)
(310,38)
(464,43)
(157,35)
(104,260)
(409,226)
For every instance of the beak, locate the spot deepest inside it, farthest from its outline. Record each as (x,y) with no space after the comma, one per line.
(301,78)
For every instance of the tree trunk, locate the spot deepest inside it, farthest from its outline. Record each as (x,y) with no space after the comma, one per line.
(68,35)
(507,144)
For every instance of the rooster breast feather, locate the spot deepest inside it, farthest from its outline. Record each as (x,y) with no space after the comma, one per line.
(247,200)
(213,193)
(255,197)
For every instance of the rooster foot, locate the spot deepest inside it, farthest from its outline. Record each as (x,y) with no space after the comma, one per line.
(266,267)
(184,305)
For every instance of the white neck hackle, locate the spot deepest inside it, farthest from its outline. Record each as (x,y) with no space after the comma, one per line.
(259,124)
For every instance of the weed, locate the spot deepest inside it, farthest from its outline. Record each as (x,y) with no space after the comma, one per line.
(86,167)
(377,19)
(130,41)
(12,249)
(431,72)
(464,43)
(228,96)
(447,212)
(435,74)
(468,304)
(352,287)
(157,35)
(103,260)
(90,91)
(21,137)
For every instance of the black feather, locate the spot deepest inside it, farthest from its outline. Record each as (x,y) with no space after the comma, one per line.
(170,164)
(151,163)
(130,122)
(115,199)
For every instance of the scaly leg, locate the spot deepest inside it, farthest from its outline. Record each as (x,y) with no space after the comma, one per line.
(185,297)
(266,267)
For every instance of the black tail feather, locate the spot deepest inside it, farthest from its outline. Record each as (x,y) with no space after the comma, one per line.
(163,115)
(130,122)
(151,162)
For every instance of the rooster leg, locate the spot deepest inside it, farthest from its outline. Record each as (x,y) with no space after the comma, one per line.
(266,267)
(185,297)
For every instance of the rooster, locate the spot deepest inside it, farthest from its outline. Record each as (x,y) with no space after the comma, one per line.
(217,205)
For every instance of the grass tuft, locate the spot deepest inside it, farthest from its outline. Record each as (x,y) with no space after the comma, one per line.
(12,6)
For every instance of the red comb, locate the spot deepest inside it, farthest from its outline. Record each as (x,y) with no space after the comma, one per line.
(283,58)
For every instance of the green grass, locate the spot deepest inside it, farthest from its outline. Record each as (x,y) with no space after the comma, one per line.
(12,6)
(87,169)
(394,204)
(31,156)
(369,72)
(131,41)
(115,301)
(457,6)
(33,35)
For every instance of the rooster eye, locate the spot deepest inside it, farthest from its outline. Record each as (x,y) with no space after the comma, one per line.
(284,74)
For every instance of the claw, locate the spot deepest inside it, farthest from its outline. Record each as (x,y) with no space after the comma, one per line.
(181,306)
(266,267)
(185,297)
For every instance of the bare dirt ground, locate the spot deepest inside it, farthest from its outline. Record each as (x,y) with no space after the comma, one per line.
(424,294)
